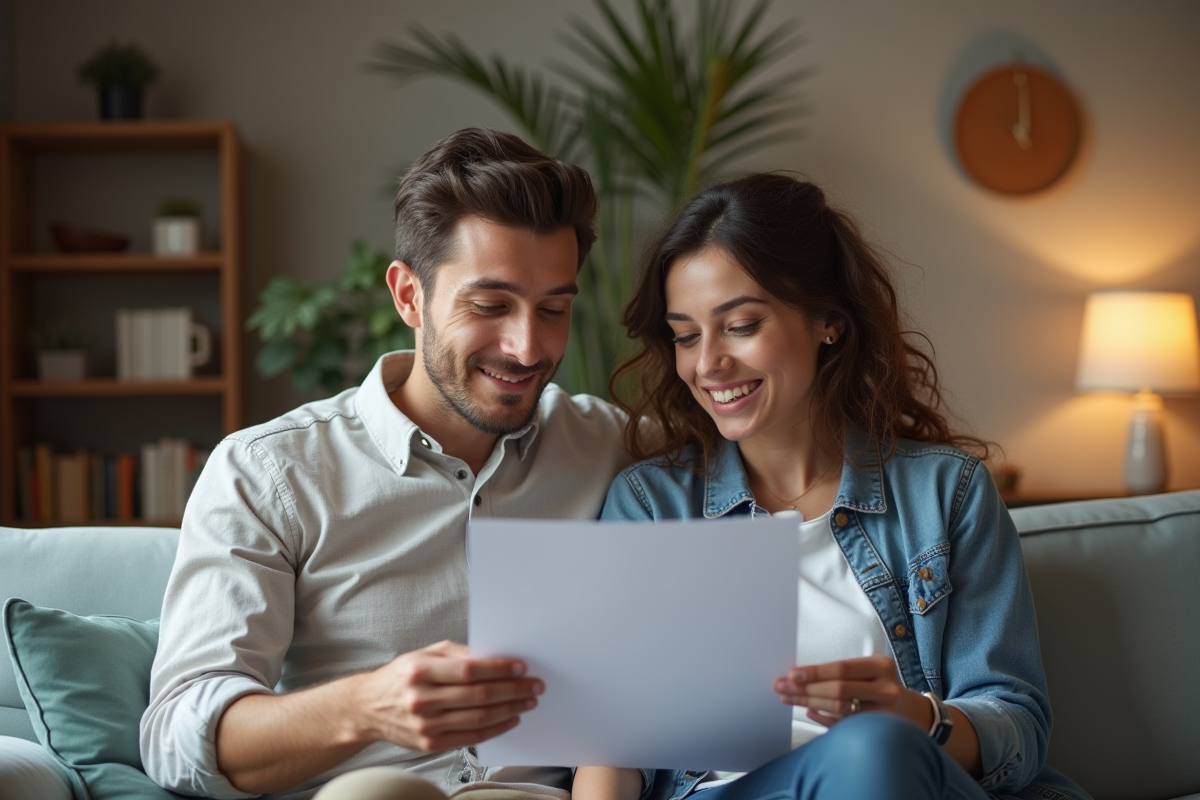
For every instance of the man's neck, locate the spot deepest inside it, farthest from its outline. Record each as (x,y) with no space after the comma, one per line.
(419,400)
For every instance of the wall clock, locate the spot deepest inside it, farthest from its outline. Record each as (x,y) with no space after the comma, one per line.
(1017,129)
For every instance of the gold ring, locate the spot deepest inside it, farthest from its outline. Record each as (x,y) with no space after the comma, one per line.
(855,706)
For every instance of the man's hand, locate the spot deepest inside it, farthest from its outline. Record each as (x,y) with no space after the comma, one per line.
(434,698)
(439,697)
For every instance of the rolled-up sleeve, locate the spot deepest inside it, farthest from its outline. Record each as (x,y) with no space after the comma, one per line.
(227,617)
(992,666)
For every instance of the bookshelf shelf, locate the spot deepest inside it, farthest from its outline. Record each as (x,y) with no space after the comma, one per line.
(131,262)
(111,523)
(110,387)
(112,174)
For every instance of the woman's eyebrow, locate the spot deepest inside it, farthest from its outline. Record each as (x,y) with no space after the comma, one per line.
(728,305)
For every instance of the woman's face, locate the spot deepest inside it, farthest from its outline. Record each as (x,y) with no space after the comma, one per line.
(749,359)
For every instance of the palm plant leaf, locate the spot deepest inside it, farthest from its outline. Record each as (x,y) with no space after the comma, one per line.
(537,108)
(652,110)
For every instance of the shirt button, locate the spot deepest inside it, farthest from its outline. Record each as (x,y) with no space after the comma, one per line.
(461,474)
(478,500)
(425,442)
(841,519)
(900,630)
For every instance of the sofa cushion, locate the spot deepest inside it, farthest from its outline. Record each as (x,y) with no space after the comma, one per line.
(85,682)
(85,570)
(1117,596)
(28,771)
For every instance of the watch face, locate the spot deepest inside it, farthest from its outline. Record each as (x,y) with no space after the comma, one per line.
(1017,130)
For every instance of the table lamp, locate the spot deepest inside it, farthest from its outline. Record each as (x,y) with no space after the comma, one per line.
(1145,342)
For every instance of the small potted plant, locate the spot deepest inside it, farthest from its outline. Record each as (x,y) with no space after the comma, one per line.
(120,73)
(177,227)
(62,353)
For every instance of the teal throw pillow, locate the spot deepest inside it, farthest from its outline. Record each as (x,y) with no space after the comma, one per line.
(85,682)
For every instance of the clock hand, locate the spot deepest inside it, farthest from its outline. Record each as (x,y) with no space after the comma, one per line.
(1024,125)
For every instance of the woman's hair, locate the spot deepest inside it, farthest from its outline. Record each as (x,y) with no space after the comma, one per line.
(812,257)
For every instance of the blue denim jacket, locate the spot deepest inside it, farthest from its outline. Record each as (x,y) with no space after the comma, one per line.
(932,545)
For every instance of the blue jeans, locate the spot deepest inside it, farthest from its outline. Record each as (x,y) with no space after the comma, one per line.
(875,756)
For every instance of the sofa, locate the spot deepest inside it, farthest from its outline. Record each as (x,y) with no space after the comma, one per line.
(1116,585)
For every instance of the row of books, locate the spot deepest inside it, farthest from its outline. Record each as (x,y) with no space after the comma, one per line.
(87,486)
(159,344)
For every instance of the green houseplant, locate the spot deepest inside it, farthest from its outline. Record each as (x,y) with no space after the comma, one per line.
(176,229)
(328,336)
(61,352)
(120,73)
(654,110)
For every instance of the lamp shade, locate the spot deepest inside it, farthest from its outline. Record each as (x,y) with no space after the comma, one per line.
(1136,340)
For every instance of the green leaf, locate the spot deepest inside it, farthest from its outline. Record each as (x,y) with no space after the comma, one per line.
(659,97)
(277,357)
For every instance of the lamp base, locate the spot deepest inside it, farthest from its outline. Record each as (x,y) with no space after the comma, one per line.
(1145,454)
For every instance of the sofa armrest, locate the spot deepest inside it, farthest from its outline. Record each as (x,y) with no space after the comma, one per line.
(27,771)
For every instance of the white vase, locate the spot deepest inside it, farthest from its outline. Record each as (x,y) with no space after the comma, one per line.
(62,365)
(176,236)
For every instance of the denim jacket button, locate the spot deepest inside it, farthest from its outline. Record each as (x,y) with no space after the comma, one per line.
(925,574)
(921,603)
(900,630)
(841,519)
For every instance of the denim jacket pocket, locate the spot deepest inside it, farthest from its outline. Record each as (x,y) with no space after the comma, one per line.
(928,579)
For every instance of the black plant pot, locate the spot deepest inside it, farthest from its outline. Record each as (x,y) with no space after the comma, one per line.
(120,102)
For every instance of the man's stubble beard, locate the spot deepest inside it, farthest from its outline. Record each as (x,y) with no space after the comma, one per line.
(452,383)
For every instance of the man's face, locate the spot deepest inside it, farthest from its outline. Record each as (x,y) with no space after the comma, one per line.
(495,325)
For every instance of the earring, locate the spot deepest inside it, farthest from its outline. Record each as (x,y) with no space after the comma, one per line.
(829,339)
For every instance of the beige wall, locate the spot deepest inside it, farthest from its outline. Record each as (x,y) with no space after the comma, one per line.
(998,284)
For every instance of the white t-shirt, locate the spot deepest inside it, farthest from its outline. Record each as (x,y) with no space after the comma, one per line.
(835,620)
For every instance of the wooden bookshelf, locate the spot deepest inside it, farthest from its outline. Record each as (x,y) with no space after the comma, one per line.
(28,267)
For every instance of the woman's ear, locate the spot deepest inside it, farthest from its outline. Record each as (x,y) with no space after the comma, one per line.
(406,293)
(831,329)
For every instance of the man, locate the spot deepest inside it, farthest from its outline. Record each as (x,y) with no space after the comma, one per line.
(312,623)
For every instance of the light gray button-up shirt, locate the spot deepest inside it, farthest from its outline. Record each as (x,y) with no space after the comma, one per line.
(333,539)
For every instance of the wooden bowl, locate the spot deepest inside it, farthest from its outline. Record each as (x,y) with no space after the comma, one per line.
(77,239)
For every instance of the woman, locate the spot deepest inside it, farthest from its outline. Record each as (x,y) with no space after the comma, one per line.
(773,358)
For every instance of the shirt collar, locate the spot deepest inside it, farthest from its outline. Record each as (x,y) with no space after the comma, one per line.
(726,485)
(392,431)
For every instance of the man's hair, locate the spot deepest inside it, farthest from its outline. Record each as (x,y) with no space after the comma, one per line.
(493,175)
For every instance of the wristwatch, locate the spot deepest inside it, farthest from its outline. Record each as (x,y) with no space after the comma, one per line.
(942,725)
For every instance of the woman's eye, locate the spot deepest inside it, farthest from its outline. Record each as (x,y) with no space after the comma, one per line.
(684,339)
(744,330)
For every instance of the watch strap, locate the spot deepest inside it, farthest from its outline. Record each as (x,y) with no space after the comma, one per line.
(943,723)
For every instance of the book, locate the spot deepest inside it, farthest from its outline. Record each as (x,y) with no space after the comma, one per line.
(43,457)
(127,478)
(124,345)
(71,487)
(150,475)
(141,330)
(25,493)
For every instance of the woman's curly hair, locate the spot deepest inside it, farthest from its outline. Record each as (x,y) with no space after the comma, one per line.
(877,377)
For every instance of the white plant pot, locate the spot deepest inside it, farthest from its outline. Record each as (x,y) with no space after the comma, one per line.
(62,365)
(176,236)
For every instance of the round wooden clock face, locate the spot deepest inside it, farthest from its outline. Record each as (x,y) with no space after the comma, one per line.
(1017,130)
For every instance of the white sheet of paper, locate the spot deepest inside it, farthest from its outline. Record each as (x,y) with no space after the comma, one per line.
(658,643)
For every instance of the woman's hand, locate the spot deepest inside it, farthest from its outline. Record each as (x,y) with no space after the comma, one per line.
(837,689)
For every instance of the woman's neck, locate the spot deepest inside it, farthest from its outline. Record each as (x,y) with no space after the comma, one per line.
(793,473)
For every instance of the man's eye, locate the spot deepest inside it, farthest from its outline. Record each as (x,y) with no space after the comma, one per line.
(481,308)
(556,313)
(685,339)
